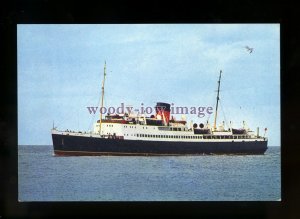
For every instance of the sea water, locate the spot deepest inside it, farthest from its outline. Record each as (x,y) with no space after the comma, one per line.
(44,177)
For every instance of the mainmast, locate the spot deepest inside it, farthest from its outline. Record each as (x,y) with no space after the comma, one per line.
(102,97)
(216,114)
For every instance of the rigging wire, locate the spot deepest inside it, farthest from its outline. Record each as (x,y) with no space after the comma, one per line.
(222,108)
(93,117)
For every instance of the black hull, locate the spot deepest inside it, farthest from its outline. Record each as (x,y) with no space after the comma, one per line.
(67,145)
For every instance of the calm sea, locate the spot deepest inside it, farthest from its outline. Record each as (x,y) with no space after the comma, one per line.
(44,177)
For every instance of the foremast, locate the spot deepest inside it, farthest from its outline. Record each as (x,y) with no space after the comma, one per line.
(216,114)
(102,97)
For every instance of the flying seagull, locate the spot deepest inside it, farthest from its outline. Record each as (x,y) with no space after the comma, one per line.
(249,49)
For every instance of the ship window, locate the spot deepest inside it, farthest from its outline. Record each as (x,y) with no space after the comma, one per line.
(137,135)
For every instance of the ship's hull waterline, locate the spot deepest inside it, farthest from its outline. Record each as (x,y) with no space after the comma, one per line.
(68,145)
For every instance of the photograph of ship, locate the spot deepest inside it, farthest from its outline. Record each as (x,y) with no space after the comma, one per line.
(149,112)
(157,135)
